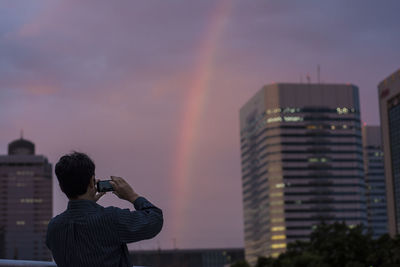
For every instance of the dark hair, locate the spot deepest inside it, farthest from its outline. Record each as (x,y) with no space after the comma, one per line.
(74,172)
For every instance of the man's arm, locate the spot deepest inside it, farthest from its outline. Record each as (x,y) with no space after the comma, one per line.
(144,223)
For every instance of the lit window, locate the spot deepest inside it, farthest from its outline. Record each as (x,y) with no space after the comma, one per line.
(274,119)
(275,167)
(344,126)
(276,203)
(278,228)
(31,200)
(275,246)
(292,118)
(313,160)
(20,223)
(311,127)
(280,185)
(277,220)
(277,194)
(278,237)
(276,211)
(289,110)
(275,255)
(333,127)
(342,110)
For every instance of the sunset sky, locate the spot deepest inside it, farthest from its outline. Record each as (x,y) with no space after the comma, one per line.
(151,90)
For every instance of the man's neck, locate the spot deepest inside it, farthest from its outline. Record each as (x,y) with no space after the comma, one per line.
(83,197)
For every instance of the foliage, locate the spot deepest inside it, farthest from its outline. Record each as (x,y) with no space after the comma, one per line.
(338,245)
(240,264)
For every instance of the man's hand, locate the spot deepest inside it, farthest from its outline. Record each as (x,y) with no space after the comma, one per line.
(98,195)
(122,189)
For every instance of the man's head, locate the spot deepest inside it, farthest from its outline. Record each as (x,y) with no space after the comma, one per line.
(75,172)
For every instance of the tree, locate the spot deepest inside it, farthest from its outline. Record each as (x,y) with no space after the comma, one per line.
(264,262)
(338,245)
(241,263)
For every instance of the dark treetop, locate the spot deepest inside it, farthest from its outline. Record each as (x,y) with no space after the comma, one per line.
(87,234)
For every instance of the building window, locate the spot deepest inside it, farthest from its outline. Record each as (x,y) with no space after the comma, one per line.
(278,228)
(275,246)
(31,200)
(278,237)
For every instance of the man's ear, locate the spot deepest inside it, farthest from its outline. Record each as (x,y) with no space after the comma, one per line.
(92,183)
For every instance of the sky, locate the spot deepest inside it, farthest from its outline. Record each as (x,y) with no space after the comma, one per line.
(151,90)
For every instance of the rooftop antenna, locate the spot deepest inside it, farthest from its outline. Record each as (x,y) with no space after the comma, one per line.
(308,78)
(319,73)
(22,134)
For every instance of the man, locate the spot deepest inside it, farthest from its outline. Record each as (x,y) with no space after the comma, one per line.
(87,234)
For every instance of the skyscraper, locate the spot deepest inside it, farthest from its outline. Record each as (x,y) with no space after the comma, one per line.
(25,202)
(302,163)
(375,180)
(389,105)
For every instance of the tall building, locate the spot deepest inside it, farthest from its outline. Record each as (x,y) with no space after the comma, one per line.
(302,163)
(375,180)
(25,202)
(389,105)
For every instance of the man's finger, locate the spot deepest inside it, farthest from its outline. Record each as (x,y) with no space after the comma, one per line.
(115,179)
(113,183)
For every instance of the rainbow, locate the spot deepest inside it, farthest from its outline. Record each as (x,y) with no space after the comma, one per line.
(193,107)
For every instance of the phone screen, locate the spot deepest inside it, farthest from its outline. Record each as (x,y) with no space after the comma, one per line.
(104,186)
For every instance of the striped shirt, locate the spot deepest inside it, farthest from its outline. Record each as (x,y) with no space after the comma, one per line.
(87,234)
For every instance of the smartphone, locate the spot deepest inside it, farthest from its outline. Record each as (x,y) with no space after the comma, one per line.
(104,186)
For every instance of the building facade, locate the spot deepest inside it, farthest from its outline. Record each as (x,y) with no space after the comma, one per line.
(25,202)
(375,180)
(302,163)
(389,105)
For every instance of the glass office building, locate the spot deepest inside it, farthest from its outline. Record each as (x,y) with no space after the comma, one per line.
(25,202)
(302,163)
(389,104)
(375,180)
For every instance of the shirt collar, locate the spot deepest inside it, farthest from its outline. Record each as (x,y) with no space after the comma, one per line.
(82,204)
